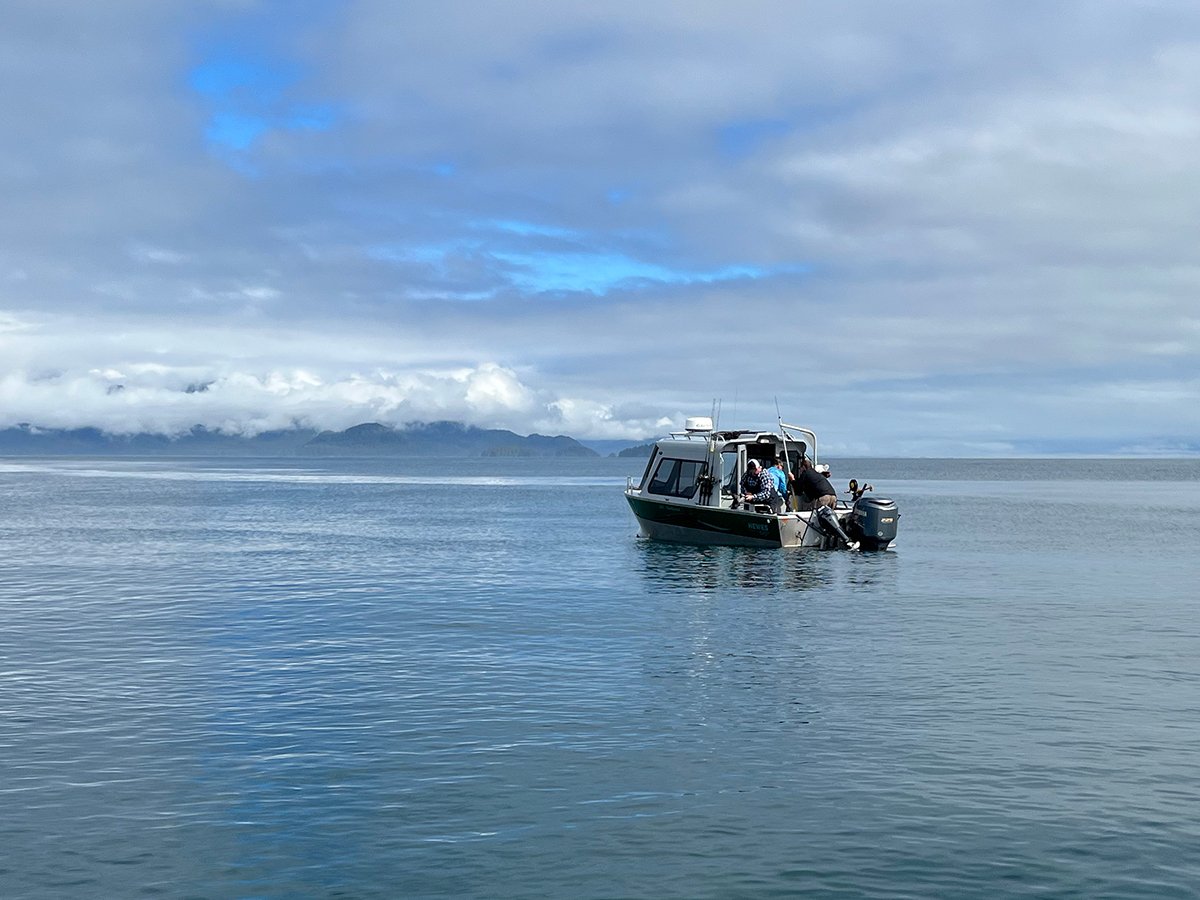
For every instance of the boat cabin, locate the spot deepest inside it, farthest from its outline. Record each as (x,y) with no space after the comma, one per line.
(687,466)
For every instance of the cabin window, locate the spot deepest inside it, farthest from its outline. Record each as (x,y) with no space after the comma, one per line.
(729,459)
(675,477)
(795,452)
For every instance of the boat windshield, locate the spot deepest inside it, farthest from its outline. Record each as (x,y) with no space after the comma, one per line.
(676,477)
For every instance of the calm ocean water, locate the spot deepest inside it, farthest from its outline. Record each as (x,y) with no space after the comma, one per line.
(470,678)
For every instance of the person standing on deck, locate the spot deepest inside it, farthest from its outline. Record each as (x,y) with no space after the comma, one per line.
(813,487)
(781,478)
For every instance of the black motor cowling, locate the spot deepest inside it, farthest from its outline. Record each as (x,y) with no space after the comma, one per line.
(872,522)
(827,524)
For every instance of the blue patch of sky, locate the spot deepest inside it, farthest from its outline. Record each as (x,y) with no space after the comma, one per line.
(234,131)
(538,257)
(243,73)
(248,97)
(599,273)
(594,272)
(223,76)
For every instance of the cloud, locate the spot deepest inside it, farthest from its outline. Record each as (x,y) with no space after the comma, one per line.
(941,227)
(158,399)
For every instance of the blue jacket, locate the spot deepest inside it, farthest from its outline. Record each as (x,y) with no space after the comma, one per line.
(780,477)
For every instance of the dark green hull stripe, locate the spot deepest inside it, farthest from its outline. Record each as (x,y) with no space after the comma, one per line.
(709,523)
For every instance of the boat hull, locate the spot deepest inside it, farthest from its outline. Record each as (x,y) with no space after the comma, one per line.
(687,523)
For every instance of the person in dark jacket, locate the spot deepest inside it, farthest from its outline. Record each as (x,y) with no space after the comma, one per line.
(813,488)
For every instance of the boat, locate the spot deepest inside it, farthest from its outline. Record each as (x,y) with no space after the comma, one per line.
(690,492)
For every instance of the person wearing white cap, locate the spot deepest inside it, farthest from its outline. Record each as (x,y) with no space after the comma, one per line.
(759,487)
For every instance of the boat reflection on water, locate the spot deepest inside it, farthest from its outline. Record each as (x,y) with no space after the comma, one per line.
(700,569)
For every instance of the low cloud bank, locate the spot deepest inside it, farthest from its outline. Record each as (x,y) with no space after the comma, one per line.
(162,400)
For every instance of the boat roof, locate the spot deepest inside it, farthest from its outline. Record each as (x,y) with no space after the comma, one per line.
(792,433)
(741,435)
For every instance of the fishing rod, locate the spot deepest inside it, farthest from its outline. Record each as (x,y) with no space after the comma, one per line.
(787,471)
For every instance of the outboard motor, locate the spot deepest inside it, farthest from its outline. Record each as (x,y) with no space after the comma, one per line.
(829,525)
(872,522)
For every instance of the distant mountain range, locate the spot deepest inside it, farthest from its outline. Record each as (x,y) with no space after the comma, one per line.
(369,439)
(438,439)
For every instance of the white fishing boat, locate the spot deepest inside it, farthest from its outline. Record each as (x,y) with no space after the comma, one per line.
(691,492)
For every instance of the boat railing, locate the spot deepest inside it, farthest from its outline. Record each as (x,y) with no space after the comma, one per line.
(791,430)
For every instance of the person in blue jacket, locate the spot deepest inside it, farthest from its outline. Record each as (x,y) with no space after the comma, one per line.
(781,477)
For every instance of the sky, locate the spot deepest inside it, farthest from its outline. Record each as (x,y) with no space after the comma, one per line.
(924,228)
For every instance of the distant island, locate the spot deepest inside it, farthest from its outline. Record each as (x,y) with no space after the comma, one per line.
(418,439)
(641,451)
